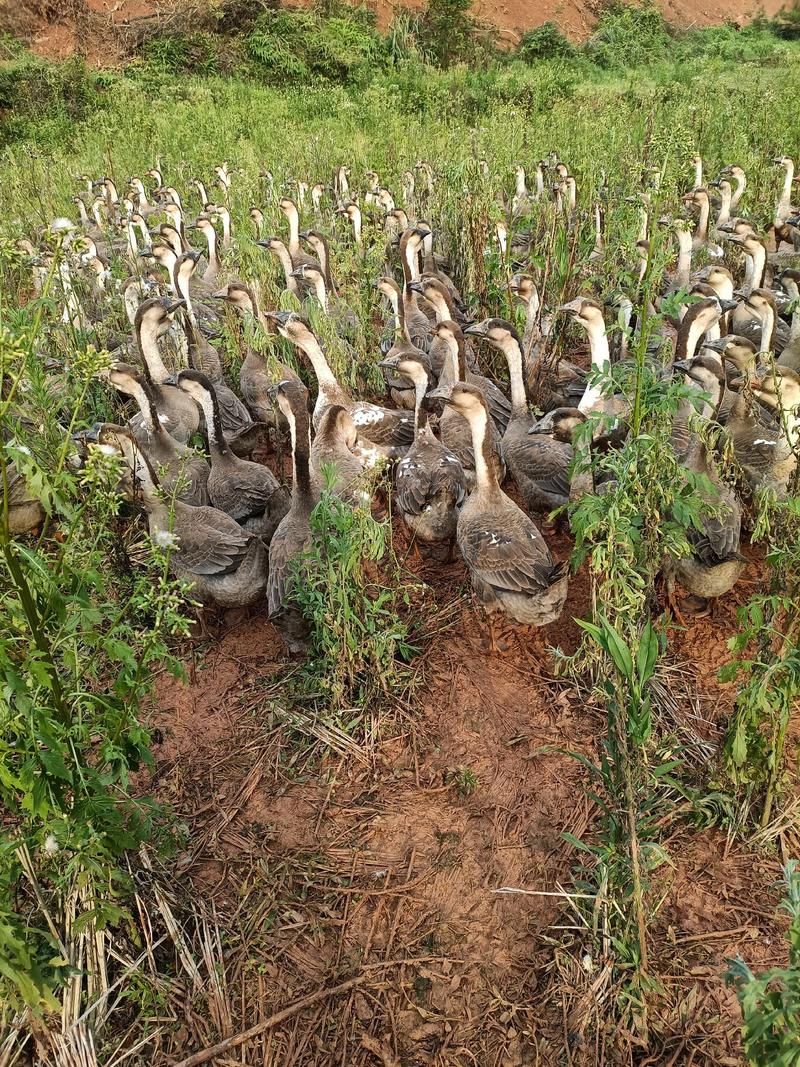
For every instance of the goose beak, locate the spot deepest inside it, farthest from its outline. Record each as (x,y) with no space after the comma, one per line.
(728,305)
(544,425)
(390,364)
(439,393)
(416,287)
(281,317)
(681,365)
(92,435)
(718,345)
(475,329)
(171,380)
(220,294)
(573,307)
(175,305)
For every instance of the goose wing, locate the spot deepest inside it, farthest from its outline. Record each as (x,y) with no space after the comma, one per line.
(507,552)
(209,541)
(383,426)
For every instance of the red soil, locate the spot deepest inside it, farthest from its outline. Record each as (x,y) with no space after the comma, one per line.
(64,31)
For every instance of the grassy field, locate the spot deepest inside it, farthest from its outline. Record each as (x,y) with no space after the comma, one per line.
(199,833)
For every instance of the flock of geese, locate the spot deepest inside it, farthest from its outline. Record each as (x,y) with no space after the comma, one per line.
(452,435)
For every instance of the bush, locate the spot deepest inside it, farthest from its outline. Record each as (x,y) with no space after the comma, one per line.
(42,101)
(771,1001)
(545,42)
(449,34)
(629,35)
(299,45)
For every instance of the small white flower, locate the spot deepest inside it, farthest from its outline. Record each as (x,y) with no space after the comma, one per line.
(50,845)
(24,450)
(587,963)
(165,538)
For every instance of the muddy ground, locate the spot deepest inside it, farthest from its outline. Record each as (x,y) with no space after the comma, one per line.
(440,891)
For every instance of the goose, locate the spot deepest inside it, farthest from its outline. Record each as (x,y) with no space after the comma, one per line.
(341,314)
(453,430)
(701,238)
(204,225)
(281,253)
(417,321)
(192,290)
(430,483)
(790,356)
(256,376)
(768,456)
(248,492)
(509,562)
(757,319)
(739,357)
(699,319)
(296,253)
(318,242)
(589,314)
(336,444)
(400,390)
(182,473)
(783,208)
(715,564)
(257,219)
(739,176)
(387,430)
(224,564)
(293,536)
(353,213)
(24,511)
(539,465)
(234,415)
(176,411)
(499,405)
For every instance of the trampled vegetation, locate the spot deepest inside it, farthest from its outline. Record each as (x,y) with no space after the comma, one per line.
(393,750)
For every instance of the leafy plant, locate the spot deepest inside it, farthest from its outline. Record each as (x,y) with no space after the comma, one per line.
(767,663)
(348,588)
(545,42)
(770,1002)
(77,641)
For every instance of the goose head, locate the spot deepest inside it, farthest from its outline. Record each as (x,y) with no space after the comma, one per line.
(560,423)
(778,388)
(239,295)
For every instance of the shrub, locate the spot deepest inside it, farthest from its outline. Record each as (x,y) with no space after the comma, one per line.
(449,34)
(358,639)
(629,35)
(770,1001)
(545,42)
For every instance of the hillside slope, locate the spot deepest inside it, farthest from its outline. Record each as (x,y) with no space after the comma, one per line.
(57,29)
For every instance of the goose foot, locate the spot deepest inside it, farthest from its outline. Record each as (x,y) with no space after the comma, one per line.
(699,607)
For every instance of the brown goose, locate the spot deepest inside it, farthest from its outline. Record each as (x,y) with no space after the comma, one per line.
(715,564)
(739,357)
(336,444)
(248,492)
(281,252)
(430,482)
(225,565)
(388,431)
(183,474)
(176,411)
(499,404)
(509,562)
(293,535)
(256,378)
(453,429)
(401,390)
(539,464)
(768,455)
(298,257)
